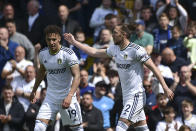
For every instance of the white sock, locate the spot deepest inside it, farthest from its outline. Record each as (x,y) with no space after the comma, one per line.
(142,128)
(121,126)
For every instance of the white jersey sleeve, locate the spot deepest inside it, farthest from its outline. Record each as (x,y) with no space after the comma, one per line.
(110,50)
(141,54)
(72,59)
(41,56)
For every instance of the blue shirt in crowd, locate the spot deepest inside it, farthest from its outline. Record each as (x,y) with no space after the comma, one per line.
(88,88)
(104,104)
(6,55)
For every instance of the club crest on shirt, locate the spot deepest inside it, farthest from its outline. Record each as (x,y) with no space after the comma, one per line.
(125,56)
(59,61)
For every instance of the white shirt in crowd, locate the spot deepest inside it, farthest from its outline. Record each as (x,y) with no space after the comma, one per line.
(191,122)
(27,87)
(161,126)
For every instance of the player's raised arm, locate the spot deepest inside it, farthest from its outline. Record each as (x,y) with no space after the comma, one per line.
(40,76)
(87,49)
(157,73)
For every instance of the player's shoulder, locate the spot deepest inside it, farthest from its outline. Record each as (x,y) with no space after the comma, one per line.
(44,49)
(67,50)
(134,46)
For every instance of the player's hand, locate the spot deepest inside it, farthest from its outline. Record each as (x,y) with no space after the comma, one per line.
(32,97)
(169,93)
(69,37)
(37,47)
(66,102)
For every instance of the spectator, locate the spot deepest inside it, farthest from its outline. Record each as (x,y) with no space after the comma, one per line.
(177,14)
(184,87)
(33,24)
(176,43)
(189,42)
(110,21)
(114,81)
(165,72)
(148,17)
(99,73)
(162,34)
(24,87)
(187,117)
(171,60)
(11,111)
(66,24)
(157,114)
(14,70)
(89,113)
(150,96)
(118,106)
(84,85)
(103,103)
(31,113)
(105,39)
(8,13)
(185,128)
(142,38)
(74,7)
(20,39)
(7,49)
(82,56)
(97,18)
(168,124)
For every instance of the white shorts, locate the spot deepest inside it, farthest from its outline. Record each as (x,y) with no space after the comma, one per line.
(71,116)
(133,108)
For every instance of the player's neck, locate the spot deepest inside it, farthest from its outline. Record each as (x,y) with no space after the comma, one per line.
(54,52)
(188,117)
(124,44)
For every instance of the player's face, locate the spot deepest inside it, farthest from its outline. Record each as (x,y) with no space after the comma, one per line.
(53,41)
(117,35)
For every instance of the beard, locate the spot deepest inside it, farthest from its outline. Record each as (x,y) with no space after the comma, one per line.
(118,42)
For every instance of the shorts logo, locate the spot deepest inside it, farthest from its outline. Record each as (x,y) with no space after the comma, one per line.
(59,61)
(125,56)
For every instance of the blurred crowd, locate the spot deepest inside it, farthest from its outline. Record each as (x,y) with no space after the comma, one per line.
(165,28)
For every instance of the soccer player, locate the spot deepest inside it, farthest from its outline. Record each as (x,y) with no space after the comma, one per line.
(62,68)
(129,58)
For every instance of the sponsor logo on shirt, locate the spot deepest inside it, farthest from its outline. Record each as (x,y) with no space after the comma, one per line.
(57,71)
(123,66)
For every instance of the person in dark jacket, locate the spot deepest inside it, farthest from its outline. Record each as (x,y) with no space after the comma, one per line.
(30,115)
(11,111)
(92,117)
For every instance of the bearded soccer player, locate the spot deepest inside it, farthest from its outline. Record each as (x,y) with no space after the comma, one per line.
(129,58)
(61,66)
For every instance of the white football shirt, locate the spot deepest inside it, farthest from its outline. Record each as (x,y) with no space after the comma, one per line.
(59,76)
(191,122)
(130,67)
